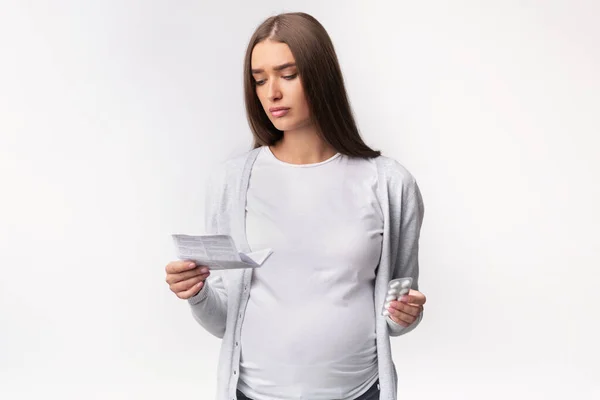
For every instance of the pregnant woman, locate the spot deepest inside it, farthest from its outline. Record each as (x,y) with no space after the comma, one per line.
(342,221)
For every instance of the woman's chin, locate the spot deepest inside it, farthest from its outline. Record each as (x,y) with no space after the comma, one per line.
(285,126)
(282,126)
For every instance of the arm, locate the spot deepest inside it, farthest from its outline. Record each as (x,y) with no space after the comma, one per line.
(209,305)
(406,263)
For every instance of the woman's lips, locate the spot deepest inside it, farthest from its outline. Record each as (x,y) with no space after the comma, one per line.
(280,112)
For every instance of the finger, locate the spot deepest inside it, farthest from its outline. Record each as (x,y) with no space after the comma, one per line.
(176,267)
(399,322)
(401,317)
(413,310)
(186,294)
(187,284)
(182,276)
(414,297)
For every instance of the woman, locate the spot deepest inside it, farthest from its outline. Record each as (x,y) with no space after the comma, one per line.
(342,221)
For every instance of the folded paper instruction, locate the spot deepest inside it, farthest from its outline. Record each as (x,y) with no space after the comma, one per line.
(217,252)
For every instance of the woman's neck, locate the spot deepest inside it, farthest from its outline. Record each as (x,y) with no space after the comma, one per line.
(302,146)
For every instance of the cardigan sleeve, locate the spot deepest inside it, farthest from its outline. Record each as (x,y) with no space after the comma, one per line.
(209,305)
(406,262)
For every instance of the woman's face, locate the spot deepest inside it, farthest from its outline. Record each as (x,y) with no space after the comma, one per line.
(278,85)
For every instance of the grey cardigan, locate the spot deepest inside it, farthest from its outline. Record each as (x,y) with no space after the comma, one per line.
(219,307)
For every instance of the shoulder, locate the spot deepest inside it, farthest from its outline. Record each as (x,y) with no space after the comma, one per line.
(400,184)
(229,170)
(395,173)
(237,162)
(234,163)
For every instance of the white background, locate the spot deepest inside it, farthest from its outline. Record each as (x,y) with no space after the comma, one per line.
(111,111)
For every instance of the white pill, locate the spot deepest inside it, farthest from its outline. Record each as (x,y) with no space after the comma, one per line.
(392,291)
(391,297)
(395,284)
(406,284)
(403,292)
(385,313)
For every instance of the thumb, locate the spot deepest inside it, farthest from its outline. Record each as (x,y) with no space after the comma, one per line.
(413,297)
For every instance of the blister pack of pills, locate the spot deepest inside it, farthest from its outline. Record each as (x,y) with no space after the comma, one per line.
(396,289)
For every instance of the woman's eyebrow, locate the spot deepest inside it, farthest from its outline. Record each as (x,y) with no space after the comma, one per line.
(275,68)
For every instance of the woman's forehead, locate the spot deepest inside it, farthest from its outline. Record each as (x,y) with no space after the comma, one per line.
(267,55)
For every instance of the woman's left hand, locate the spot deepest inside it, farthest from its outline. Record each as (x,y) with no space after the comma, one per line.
(406,310)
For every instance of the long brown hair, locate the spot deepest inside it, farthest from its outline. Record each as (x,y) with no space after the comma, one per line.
(322,80)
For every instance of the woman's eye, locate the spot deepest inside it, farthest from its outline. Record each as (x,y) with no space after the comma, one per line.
(287,77)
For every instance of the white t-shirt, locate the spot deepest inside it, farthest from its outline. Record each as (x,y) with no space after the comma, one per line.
(309,326)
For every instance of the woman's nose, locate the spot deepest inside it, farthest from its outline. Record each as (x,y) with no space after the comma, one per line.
(274,93)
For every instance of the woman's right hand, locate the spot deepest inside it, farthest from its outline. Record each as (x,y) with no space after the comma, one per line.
(185,279)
